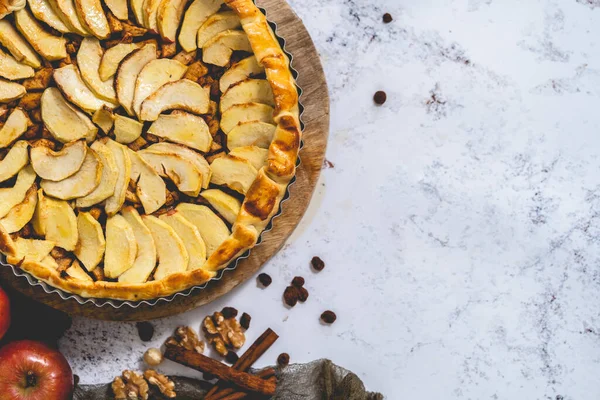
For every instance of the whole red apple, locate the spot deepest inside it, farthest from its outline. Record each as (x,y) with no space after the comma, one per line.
(33,371)
(4,313)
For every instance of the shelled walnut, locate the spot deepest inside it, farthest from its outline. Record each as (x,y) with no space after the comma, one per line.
(223,333)
(130,386)
(186,337)
(164,384)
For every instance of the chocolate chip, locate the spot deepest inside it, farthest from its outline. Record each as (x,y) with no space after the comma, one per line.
(245,321)
(145,330)
(232,357)
(265,279)
(75,380)
(208,376)
(317,263)
(302,294)
(380,97)
(328,317)
(229,312)
(387,18)
(290,296)
(283,360)
(298,282)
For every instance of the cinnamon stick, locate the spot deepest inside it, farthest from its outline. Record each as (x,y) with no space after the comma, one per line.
(202,363)
(235,396)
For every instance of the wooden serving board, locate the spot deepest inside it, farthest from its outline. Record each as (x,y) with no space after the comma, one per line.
(316,119)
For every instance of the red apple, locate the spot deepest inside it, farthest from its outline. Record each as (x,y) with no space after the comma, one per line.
(4,313)
(33,371)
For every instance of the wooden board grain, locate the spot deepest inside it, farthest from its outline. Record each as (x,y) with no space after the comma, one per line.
(315,99)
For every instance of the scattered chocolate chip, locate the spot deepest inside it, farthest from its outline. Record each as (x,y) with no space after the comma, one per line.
(302,294)
(232,357)
(387,18)
(290,296)
(265,279)
(208,376)
(145,330)
(328,317)
(298,282)
(229,312)
(75,380)
(283,360)
(245,321)
(317,263)
(380,97)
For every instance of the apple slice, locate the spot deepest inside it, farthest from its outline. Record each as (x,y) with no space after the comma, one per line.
(183,94)
(67,12)
(248,91)
(118,8)
(49,262)
(149,13)
(82,183)
(121,247)
(21,214)
(253,154)
(183,173)
(172,254)
(241,113)
(69,81)
(194,17)
(64,122)
(113,57)
(137,6)
(11,196)
(91,245)
(13,70)
(89,57)
(127,130)
(154,75)
(104,118)
(225,204)
(145,260)
(16,159)
(32,250)
(17,46)
(212,228)
(251,133)
(114,203)
(56,219)
(10,91)
(216,24)
(43,11)
(151,189)
(240,71)
(92,17)
(184,128)
(194,244)
(77,273)
(16,125)
(169,18)
(236,173)
(196,159)
(108,180)
(218,50)
(49,46)
(58,165)
(128,72)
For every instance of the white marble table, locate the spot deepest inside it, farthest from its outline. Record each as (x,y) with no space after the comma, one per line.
(461,222)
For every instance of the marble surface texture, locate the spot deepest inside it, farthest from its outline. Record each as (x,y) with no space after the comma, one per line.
(460,223)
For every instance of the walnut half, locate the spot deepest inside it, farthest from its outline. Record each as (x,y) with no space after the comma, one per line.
(164,384)
(223,333)
(130,386)
(188,339)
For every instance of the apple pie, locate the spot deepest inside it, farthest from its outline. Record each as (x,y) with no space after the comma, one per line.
(144,144)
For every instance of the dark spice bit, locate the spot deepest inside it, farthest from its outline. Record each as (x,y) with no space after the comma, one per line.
(265,279)
(380,97)
(302,294)
(328,317)
(387,18)
(298,282)
(283,360)
(229,312)
(317,263)
(245,321)
(290,296)
(232,357)
(145,330)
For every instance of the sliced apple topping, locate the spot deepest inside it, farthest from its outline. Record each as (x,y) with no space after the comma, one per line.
(82,183)
(236,173)
(241,113)
(154,75)
(196,159)
(58,165)
(194,17)
(128,72)
(114,203)
(251,133)
(57,220)
(77,273)
(145,260)
(149,14)
(17,46)
(49,46)
(240,71)
(225,204)
(16,159)
(118,8)
(64,122)
(218,50)
(113,57)
(92,17)
(216,24)
(49,262)
(248,91)
(91,244)
(13,70)
(191,237)
(16,125)
(43,11)
(183,94)
(150,188)
(127,130)
(184,128)
(11,196)
(253,154)
(68,13)
(183,173)
(32,250)
(108,180)
(172,254)
(89,57)
(21,214)
(70,82)
(137,6)
(10,91)
(104,118)
(169,17)
(121,246)
(212,228)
